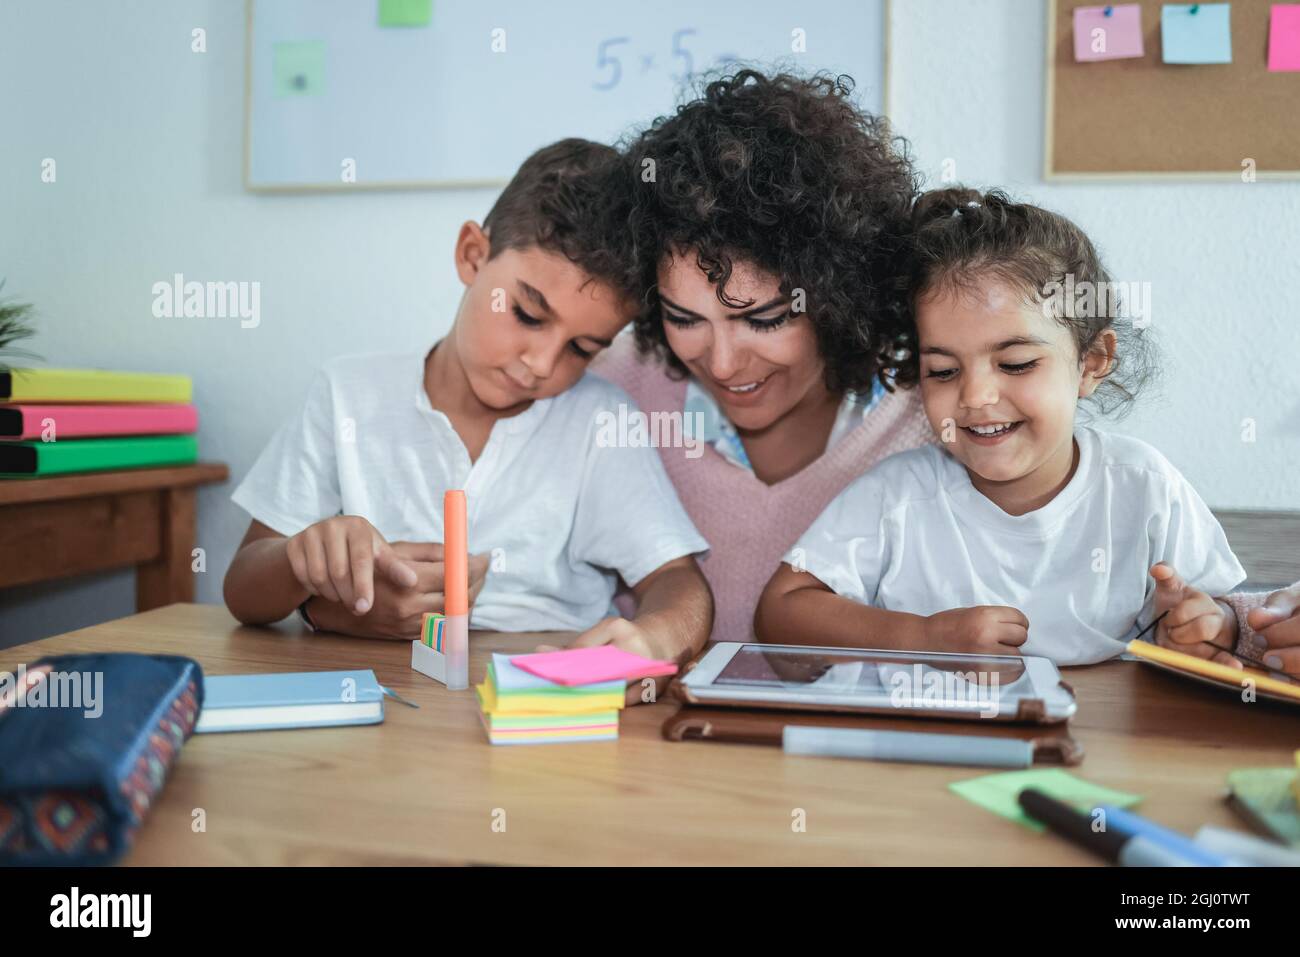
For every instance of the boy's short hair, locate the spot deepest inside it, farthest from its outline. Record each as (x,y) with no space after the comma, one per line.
(569,198)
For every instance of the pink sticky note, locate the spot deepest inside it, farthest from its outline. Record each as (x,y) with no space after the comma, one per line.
(584,666)
(1284,38)
(1101,37)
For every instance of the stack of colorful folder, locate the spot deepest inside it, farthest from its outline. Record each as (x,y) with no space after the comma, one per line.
(521,708)
(56,421)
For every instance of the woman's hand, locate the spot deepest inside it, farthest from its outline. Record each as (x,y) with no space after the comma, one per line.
(1278,622)
(627,635)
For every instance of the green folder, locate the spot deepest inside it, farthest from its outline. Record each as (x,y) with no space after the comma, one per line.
(26,459)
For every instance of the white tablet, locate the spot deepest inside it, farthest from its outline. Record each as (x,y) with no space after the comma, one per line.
(929,684)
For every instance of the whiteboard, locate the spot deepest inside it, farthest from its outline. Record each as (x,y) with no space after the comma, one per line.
(463,100)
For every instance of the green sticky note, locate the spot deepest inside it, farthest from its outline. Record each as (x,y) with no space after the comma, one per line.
(405,13)
(999,792)
(299,68)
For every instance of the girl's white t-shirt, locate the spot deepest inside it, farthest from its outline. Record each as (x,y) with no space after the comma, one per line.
(913,535)
(561,515)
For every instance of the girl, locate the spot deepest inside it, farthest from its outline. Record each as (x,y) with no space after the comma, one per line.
(1022,530)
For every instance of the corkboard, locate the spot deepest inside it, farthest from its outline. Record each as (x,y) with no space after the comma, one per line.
(1141,118)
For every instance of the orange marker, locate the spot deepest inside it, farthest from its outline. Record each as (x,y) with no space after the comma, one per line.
(455,551)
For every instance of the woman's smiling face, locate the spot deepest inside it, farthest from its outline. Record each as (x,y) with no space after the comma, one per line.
(758,360)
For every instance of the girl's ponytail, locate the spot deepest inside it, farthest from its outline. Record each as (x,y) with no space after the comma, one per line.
(940,204)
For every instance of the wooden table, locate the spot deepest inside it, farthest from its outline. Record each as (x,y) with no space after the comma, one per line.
(426,787)
(73,524)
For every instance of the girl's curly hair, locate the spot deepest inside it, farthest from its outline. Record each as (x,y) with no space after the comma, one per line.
(785,173)
(961,236)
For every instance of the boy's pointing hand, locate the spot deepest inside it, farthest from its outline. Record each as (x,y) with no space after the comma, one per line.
(337,559)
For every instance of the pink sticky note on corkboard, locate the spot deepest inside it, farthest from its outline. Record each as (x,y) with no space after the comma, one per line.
(1101,37)
(1284,38)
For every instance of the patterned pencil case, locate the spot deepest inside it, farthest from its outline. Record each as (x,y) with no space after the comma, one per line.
(86,744)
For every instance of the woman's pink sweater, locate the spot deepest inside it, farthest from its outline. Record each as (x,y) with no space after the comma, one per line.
(749,525)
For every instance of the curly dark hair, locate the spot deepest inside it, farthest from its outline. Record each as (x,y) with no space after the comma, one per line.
(570,198)
(960,235)
(786,173)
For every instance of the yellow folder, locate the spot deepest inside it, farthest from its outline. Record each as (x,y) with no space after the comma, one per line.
(92,385)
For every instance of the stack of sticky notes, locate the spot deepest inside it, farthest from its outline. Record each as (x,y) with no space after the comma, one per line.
(572,695)
(521,708)
(435,625)
(56,421)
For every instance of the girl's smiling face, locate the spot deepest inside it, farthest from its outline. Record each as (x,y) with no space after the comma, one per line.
(1000,382)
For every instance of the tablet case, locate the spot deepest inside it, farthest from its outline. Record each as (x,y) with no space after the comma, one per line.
(761,726)
(75,785)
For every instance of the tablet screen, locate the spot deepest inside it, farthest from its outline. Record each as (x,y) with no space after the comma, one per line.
(848,672)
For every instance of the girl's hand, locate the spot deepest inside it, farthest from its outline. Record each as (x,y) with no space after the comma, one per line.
(1278,623)
(1194,619)
(337,560)
(983,630)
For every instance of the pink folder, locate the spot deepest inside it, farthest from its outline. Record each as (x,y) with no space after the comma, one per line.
(18,422)
(584,666)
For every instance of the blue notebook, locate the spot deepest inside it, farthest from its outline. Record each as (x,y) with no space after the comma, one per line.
(314,699)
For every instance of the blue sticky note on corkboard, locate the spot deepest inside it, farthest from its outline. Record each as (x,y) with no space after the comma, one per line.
(299,68)
(405,13)
(1196,32)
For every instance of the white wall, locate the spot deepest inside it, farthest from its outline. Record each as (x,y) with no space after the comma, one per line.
(148,138)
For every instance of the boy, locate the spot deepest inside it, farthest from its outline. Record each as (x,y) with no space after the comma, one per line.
(346,500)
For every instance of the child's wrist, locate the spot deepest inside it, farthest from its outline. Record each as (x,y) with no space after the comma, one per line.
(1230,630)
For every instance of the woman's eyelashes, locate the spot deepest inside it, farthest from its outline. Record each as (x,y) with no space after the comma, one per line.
(1010,368)
(767,325)
(681,322)
(532,322)
(754,322)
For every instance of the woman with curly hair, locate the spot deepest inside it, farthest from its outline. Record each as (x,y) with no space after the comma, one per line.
(770,218)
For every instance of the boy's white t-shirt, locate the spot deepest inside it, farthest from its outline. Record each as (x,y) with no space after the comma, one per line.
(914,535)
(560,515)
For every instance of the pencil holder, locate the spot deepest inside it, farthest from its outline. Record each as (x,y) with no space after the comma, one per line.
(442,653)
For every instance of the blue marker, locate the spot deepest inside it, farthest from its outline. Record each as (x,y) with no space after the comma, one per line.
(1134,825)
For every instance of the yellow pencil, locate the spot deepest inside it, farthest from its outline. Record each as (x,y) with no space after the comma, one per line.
(1212,669)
